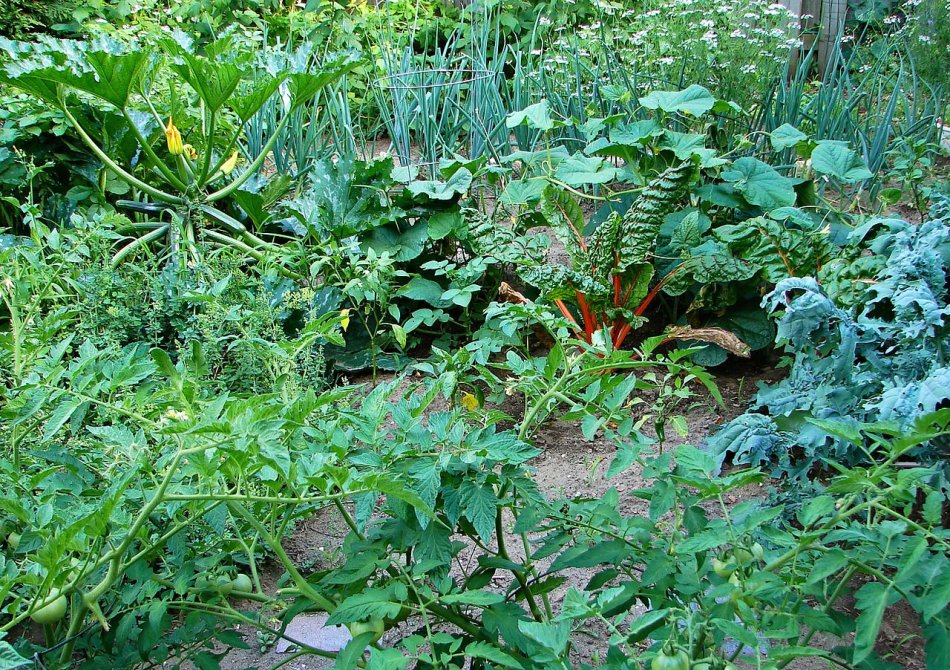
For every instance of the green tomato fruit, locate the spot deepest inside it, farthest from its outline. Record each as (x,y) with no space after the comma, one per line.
(53,612)
(242,583)
(224,585)
(374,626)
(723,568)
(742,555)
(674,660)
(758,551)
(13,540)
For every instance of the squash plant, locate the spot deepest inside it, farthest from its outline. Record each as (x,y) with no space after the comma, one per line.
(185,168)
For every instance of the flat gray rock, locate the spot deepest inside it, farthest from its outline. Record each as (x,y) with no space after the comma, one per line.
(311,629)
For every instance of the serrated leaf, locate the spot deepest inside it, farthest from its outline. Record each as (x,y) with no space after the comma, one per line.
(551,636)
(369,604)
(760,183)
(537,116)
(10,659)
(305,85)
(835,158)
(872,599)
(786,136)
(481,598)
(479,504)
(60,416)
(579,170)
(490,652)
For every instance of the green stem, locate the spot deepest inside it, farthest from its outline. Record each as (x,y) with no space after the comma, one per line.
(147,148)
(503,552)
(226,240)
(112,165)
(209,143)
(123,253)
(113,557)
(278,549)
(253,167)
(439,610)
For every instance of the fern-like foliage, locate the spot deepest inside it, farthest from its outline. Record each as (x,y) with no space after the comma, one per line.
(861,352)
(21,18)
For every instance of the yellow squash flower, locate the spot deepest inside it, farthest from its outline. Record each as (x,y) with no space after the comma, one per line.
(230,163)
(173,139)
(190,152)
(469,402)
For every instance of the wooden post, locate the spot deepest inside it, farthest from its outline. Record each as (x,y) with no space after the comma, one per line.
(794,30)
(832,23)
(825,16)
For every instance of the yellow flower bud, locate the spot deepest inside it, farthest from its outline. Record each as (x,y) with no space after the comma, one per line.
(344,315)
(230,163)
(190,152)
(173,139)
(469,402)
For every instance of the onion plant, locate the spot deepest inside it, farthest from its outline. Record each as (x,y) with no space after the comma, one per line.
(870,98)
(447,102)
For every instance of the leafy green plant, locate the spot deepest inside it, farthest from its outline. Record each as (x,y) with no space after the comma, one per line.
(744,226)
(866,343)
(199,483)
(611,275)
(147,87)
(78,418)
(21,18)
(612,278)
(872,99)
(409,258)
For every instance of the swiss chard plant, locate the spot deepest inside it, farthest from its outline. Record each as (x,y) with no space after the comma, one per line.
(699,240)
(611,281)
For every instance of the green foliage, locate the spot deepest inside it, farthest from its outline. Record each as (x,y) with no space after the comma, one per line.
(866,345)
(409,259)
(139,488)
(745,225)
(871,98)
(929,36)
(193,176)
(167,425)
(613,266)
(21,18)
(257,332)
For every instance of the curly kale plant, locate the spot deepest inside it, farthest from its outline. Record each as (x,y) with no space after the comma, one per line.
(868,342)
